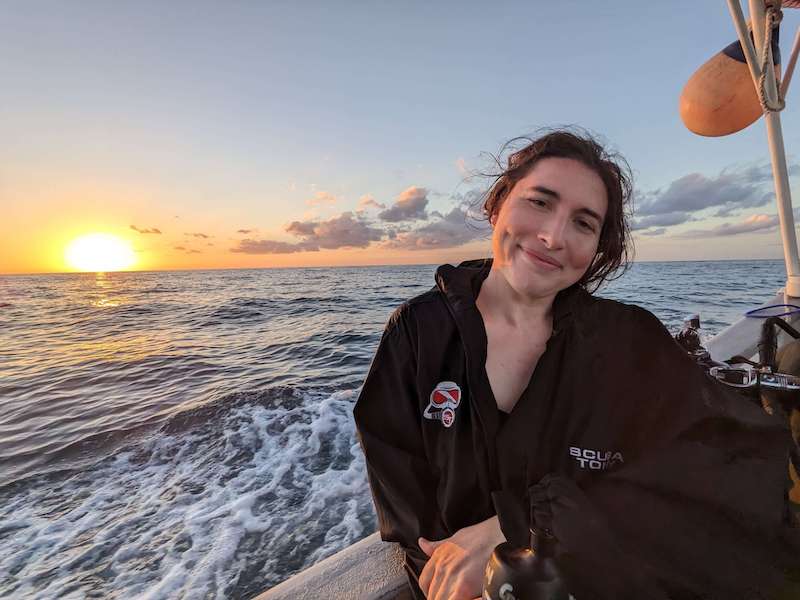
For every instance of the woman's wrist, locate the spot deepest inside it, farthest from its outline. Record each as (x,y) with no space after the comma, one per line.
(495,535)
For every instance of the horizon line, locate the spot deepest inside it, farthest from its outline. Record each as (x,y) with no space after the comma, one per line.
(5,274)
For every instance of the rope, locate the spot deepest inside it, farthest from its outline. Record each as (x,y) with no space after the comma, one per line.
(774,17)
(790,309)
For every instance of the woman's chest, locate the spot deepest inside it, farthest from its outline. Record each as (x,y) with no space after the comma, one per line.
(568,418)
(511,360)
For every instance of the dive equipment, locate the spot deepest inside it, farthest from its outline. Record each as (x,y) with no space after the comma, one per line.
(525,573)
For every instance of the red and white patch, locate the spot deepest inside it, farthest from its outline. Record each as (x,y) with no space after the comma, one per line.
(448,417)
(444,399)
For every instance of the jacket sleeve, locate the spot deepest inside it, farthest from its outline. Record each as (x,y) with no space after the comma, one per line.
(388,423)
(698,508)
(701,506)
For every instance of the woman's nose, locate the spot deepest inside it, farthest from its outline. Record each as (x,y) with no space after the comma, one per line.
(551,234)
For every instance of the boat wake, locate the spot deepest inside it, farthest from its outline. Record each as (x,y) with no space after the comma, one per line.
(224,500)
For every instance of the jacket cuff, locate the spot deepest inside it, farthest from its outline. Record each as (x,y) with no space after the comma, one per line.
(513,515)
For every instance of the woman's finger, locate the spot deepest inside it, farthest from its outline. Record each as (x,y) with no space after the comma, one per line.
(424,545)
(428,547)
(436,589)
(446,559)
(426,576)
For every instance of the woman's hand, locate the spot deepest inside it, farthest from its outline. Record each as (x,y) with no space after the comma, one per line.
(457,564)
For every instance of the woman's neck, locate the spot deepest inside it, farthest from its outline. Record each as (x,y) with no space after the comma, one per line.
(498,300)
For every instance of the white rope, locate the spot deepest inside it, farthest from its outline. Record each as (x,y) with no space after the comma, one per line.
(774,15)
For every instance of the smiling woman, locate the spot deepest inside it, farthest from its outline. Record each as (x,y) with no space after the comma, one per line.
(97,252)
(486,390)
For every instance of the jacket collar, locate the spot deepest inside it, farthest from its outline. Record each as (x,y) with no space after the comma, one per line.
(460,286)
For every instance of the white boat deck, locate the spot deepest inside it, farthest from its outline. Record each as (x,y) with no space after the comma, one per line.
(369,569)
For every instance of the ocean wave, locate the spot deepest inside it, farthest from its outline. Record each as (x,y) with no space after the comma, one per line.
(223,501)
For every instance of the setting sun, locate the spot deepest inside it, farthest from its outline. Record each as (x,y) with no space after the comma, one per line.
(99,252)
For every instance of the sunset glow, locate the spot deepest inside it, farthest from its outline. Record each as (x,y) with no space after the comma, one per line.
(99,252)
(270,152)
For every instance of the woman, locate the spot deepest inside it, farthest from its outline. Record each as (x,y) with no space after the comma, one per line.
(510,389)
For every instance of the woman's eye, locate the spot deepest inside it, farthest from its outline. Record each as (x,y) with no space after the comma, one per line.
(585,225)
(537,202)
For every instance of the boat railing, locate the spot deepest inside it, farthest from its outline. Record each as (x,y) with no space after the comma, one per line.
(367,570)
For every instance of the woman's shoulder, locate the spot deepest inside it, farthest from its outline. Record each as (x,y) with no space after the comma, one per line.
(423,308)
(433,310)
(611,314)
(609,305)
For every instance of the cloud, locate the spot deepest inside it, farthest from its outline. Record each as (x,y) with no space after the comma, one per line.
(410,205)
(366,201)
(321,198)
(245,231)
(659,231)
(269,247)
(342,231)
(733,190)
(664,220)
(301,228)
(141,230)
(727,211)
(186,250)
(199,235)
(447,231)
(751,224)
(354,229)
(461,165)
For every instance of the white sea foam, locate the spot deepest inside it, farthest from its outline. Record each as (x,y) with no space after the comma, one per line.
(223,509)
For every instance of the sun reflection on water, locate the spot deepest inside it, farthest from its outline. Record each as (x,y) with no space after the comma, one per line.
(100,297)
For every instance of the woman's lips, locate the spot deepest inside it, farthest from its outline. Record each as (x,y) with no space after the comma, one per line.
(542,259)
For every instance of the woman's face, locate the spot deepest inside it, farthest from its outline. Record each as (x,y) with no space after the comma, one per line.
(548,227)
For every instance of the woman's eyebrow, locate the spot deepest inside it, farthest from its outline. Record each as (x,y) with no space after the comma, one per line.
(547,191)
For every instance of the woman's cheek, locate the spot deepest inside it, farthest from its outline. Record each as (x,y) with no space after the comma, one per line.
(587,255)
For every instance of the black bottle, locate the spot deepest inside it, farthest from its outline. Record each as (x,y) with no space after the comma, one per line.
(525,573)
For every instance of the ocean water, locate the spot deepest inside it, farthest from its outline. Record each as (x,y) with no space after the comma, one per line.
(189,434)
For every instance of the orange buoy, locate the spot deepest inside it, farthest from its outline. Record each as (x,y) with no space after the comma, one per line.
(720,97)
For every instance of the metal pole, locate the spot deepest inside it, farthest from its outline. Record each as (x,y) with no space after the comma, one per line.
(758,18)
(787,74)
(784,201)
(744,38)
(774,135)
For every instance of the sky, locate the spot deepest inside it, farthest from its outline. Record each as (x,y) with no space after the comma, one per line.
(283,134)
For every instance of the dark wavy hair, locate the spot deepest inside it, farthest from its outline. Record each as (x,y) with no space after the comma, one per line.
(615,248)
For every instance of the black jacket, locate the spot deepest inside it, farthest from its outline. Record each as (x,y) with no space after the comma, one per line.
(657,481)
